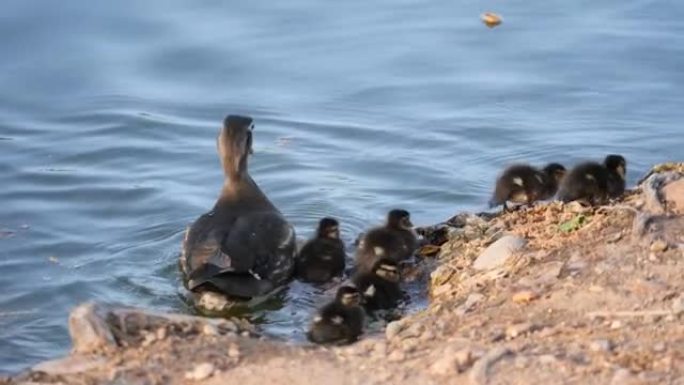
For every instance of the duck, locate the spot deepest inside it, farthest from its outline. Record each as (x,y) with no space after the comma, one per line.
(525,184)
(243,247)
(340,321)
(593,182)
(322,257)
(395,240)
(380,286)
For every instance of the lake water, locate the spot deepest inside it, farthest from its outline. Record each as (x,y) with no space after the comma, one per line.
(109,111)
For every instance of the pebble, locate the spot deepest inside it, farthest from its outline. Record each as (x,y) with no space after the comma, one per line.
(470,302)
(678,305)
(548,359)
(393,329)
(601,346)
(396,356)
(616,324)
(210,330)
(161,333)
(499,252)
(464,358)
(659,347)
(516,330)
(233,351)
(200,372)
(658,246)
(409,344)
(445,365)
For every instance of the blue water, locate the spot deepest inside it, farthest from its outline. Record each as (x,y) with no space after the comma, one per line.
(109,111)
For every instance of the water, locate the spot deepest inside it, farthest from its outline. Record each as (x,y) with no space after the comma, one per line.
(109,110)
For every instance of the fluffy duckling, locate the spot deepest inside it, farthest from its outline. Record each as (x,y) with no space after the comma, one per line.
(340,321)
(525,184)
(595,183)
(322,257)
(396,240)
(380,286)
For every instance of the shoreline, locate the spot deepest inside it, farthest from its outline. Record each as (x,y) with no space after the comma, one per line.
(554,292)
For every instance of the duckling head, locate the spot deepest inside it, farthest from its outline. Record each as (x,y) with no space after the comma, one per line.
(328,228)
(399,219)
(555,171)
(234,144)
(387,270)
(617,164)
(348,296)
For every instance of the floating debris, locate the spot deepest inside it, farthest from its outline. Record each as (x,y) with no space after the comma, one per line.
(491,19)
(53,259)
(5,233)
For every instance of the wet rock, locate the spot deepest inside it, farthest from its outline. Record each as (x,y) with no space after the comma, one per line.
(200,372)
(88,329)
(499,252)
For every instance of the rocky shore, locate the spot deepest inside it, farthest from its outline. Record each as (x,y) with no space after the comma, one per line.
(554,294)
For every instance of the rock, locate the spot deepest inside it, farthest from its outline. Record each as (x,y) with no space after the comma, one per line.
(678,305)
(600,346)
(393,329)
(517,330)
(210,330)
(658,246)
(88,329)
(616,324)
(524,296)
(70,365)
(478,374)
(200,372)
(396,356)
(622,376)
(161,333)
(499,252)
(673,194)
(409,344)
(470,302)
(233,351)
(659,347)
(464,358)
(444,366)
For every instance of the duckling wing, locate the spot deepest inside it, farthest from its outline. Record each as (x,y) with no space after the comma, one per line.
(201,245)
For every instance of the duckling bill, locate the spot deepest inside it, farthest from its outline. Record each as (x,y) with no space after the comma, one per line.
(524,184)
(243,247)
(595,183)
(322,257)
(340,321)
(396,240)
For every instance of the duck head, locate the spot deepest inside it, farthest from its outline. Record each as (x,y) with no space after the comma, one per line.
(348,296)
(235,144)
(328,228)
(399,219)
(387,270)
(555,171)
(617,164)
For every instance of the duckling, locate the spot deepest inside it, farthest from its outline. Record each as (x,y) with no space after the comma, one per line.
(322,257)
(525,184)
(243,247)
(396,240)
(340,321)
(380,286)
(595,183)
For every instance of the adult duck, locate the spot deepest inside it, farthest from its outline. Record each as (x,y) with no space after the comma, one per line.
(243,247)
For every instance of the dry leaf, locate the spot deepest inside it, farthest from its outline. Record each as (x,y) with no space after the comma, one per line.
(525,296)
(491,19)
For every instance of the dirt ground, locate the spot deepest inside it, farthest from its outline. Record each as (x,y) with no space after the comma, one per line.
(580,296)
